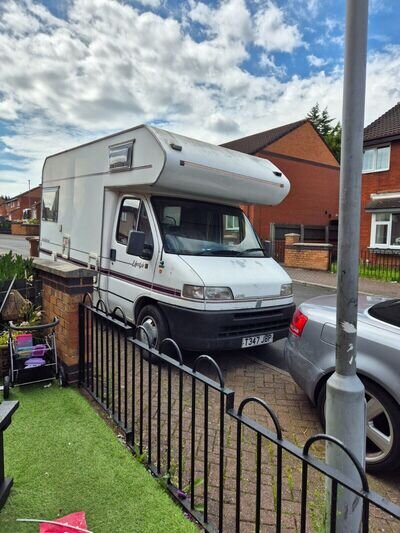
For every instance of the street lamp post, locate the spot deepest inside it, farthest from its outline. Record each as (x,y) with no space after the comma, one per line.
(345,399)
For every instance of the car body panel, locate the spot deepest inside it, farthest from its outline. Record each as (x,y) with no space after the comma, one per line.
(311,357)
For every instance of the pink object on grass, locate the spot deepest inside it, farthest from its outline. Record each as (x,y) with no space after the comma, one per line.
(76,520)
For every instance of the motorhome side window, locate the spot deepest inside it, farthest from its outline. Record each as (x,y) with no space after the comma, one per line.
(127,221)
(50,204)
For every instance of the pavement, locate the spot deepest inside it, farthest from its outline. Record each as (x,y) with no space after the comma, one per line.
(329,280)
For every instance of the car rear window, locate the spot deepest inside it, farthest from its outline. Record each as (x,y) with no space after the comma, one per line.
(388,311)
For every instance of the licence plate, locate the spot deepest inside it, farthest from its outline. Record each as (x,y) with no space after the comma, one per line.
(256,341)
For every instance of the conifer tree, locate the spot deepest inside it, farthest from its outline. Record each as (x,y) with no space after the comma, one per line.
(323,124)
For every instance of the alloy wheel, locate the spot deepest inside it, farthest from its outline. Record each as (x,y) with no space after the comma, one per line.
(379,430)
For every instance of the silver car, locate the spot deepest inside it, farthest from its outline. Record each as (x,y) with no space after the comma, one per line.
(310,359)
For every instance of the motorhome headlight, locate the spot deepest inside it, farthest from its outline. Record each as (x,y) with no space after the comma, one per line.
(286,289)
(195,292)
(218,293)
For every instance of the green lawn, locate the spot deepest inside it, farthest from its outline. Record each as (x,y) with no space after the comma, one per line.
(64,458)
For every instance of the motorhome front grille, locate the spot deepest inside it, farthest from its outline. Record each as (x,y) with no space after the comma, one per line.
(267,312)
(252,323)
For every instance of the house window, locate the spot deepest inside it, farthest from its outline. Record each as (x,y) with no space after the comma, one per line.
(50,204)
(385,230)
(231,222)
(376,159)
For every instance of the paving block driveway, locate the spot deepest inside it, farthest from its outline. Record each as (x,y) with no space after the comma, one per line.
(261,372)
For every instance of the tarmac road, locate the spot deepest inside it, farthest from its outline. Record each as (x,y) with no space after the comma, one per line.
(17,244)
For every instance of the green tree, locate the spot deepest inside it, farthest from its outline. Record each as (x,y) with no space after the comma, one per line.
(334,140)
(323,124)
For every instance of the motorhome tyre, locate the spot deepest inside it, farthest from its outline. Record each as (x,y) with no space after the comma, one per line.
(155,324)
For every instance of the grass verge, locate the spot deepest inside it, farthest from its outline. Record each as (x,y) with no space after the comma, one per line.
(377,272)
(64,458)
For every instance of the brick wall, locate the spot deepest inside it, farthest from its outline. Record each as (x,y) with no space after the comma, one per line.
(303,255)
(304,143)
(17,228)
(63,288)
(313,197)
(313,173)
(378,182)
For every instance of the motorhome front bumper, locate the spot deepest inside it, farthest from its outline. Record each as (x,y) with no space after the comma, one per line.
(222,330)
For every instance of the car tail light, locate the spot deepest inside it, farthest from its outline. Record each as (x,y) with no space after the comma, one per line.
(298,322)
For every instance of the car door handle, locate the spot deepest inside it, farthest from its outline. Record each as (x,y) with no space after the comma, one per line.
(113,254)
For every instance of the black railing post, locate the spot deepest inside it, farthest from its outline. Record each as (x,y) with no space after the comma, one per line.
(82,355)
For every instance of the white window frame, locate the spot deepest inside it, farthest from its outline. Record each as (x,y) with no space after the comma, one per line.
(375,155)
(232,226)
(388,223)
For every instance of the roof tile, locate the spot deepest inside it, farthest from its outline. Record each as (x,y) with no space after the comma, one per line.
(254,143)
(387,125)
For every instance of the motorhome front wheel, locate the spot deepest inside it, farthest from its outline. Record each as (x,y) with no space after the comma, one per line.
(154,324)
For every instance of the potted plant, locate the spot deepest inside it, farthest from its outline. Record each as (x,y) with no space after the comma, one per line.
(14,265)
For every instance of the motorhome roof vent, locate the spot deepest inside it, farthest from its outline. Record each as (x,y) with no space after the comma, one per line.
(120,156)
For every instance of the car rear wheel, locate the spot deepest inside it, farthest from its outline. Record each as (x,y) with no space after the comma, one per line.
(383,427)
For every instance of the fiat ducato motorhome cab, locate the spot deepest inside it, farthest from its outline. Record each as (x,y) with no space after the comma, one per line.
(157,217)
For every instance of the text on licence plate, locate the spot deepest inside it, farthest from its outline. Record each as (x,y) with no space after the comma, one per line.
(256,341)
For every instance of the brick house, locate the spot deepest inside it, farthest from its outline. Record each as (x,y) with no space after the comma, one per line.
(299,151)
(13,209)
(380,197)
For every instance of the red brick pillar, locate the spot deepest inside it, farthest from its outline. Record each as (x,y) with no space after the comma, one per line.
(63,287)
(291,238)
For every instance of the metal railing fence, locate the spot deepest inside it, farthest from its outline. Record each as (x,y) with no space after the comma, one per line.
(376,263)
(228,470)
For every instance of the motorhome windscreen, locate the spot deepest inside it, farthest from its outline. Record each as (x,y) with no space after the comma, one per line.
(190,227)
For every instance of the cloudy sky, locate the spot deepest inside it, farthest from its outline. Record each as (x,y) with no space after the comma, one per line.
(73,70)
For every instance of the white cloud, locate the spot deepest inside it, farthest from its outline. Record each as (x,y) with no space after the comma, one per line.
(313,7)
(150,3)
(109,66)
(230,20)
(315,61)
(273,33)
(269,64)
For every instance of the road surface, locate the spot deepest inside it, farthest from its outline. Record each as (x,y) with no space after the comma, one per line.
(17,244)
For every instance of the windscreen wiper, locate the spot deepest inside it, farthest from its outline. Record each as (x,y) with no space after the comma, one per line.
(251,250)
(219,251)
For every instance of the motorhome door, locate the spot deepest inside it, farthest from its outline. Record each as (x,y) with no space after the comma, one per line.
(131,276)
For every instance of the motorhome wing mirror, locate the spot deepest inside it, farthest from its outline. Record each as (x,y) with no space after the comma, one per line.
(135,243)
(267,248)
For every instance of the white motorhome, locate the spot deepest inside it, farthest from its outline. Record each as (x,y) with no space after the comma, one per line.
(157,216)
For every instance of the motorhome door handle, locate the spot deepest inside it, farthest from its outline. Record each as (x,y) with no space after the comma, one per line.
(113,254)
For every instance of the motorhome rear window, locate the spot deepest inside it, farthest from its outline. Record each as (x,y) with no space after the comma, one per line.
(50,204)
